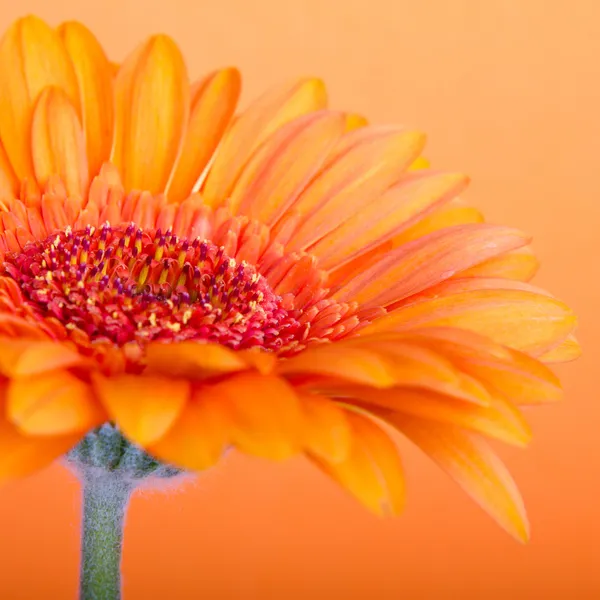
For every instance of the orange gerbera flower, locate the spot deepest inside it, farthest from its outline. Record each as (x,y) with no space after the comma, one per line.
(286,280)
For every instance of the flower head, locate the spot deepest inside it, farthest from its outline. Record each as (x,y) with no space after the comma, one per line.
(286,279)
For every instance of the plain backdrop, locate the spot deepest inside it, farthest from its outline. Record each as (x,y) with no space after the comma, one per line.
(509,92)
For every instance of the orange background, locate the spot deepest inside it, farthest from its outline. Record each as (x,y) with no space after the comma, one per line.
(509,92)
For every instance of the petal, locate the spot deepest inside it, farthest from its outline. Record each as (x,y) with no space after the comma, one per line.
(282,167)
(57,142)
(328,434)
(9,185)
(419,164)
(145,408)
(359,365)
(520,264)
(266,415)
(473,465)
(499,419)
(253,126)
(199,436)
(213,103)
(355,121)
(450,215)
(425,262)
(352,179)
(523,320)
(516,376)
(21,455)
(566,351)
(152,106)
(372,471)
(32,57)
(192,360)
(52,403)
(21,358)
(95,79)
(403,204)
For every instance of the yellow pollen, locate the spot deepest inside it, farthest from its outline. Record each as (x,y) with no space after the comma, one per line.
(49,276)
(152,319)
(176,327)
(56,242)
(187,315)
(163,276)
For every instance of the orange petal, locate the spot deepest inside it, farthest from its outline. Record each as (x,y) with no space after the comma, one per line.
(516,376)
(372,471)
(57,142)
(425,262)
(192,360)
(473,465)
(354,178)
(253,126)
(145,408)
(199,436)
(9,185)
(282,167)
(566,351)
(266,415)
(95,79)
(449,215)
(22,358)
(32,57)
(213,103)
(526,321)
(152,106)
(520,264)
(52,403)
(328,434)
(21,455)
(499,419)
(406,202)
(359,365)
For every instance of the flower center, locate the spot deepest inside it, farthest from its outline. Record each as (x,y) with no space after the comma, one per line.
(125,284)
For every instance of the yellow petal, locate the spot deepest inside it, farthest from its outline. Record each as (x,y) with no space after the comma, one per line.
(419,164)
(473,465)
(52,403)
(145,408)
(199,436)
(280,169)
(353,179)
(355,121)
(372,471)
(520,264)
(328,434)
(32,57)
(57,143)
(213,102)
(95,79)
(262,118)
(152,107)
(566,351)
(448,216)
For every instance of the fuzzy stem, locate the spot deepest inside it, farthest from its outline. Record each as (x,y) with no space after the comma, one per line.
(105,499)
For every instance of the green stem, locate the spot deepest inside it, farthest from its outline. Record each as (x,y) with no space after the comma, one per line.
(105,498)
